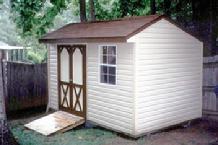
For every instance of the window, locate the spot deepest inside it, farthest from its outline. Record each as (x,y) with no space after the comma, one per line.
(108,64)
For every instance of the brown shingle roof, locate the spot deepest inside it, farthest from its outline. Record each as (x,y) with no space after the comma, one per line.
(108,31)
(119,29)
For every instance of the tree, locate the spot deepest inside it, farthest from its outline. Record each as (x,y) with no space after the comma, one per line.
(167,6)
(32,17)
(133,7)
(8,32)
(178,9)
(35,18)
(153,7)
(83,11)
(205,22)
(107,10)
(124,7)
(92,10)
(194,10)
(213,21)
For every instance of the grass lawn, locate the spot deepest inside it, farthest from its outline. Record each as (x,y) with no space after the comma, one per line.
(200,133)
(78,136)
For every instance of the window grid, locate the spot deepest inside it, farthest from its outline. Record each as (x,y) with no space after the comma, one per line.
(108,64)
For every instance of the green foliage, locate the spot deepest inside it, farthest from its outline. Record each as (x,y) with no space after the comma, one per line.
(25,12)
(106,10)
(35,57)
(32,17)
(8,32)
(35,17)
(76,137)
(9,35)
(37,53)
(133,7)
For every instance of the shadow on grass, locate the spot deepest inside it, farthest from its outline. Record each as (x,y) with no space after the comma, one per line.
(22,114)
(6,137)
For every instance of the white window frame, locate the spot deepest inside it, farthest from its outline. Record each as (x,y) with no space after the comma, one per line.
(108,65)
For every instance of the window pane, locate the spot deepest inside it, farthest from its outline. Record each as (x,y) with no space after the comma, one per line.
(104,59)
(104,78)
(111,50)
(112,79)
(112,70)
(104,69)
(104,50)
(107,60)
(111,59)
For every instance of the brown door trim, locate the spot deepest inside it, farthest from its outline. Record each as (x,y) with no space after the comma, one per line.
(71,109)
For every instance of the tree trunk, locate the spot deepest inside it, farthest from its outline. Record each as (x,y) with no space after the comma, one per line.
(167,5)
(153,7)
(124,8)
(195,7)
(83,11)
(213,25)
(6,137)
(92,10)
(179,11)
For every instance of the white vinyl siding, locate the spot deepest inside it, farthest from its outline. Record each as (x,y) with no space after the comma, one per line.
(168,77)
(52,78)
(158,81)
(111,105)
(108,105)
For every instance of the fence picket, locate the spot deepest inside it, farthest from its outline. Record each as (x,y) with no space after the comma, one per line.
(210,80)
(26,85)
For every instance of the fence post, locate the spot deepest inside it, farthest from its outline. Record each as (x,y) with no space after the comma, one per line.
(4,67)
(2,97)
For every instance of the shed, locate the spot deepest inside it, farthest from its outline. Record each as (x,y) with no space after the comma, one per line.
(133,75)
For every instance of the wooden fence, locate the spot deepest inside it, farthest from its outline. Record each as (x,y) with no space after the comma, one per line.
(2,104)
(210,80)
(25,85)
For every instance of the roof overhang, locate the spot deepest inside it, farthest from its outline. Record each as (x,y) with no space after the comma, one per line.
(84,40)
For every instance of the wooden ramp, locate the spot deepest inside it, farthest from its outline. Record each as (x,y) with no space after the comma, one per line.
(59,121)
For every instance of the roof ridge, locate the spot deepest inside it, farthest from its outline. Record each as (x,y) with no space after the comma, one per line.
(146,25)
(139,17)
(118,19)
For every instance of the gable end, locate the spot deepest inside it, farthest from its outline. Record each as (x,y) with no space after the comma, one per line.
(168,20)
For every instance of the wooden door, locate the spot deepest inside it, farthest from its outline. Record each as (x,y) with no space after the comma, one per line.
(72,79)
